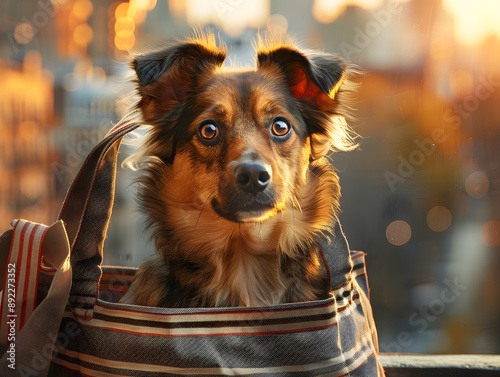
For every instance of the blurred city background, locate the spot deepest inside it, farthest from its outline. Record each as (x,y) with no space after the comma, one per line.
(421,195)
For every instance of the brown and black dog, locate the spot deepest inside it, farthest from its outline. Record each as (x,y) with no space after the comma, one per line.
(235,183)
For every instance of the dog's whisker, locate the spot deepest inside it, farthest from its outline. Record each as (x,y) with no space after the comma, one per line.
(260,224)
(296,201)
(199,216)
(204,207)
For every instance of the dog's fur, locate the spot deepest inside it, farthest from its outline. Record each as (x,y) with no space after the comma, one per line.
(235,182)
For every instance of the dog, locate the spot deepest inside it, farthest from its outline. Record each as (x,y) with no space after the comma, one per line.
(234,176)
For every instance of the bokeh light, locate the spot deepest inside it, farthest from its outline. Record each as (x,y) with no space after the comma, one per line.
(23,33)
(277,24)
(82,35)
(327,11)
(124,40)
(82,9)
(177,8)
(439,218)
(491,233)
(124,23)
(398,232)
(143,5)
(121,10)
(477,184)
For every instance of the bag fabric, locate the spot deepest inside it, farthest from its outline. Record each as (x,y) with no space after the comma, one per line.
(65,320)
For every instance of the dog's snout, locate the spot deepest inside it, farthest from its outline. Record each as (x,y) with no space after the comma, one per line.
(252,177)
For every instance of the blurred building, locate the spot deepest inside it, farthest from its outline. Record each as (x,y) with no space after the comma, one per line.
(27,185)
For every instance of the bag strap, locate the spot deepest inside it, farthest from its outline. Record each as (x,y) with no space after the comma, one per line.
(86,212)
(336,255)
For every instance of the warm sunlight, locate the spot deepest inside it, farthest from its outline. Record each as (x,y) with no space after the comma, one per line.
(231,16)
(327,11)
(474,20)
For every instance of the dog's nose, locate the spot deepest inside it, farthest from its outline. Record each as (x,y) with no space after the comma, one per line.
(252,177)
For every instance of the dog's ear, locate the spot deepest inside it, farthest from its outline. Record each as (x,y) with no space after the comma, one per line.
(166,77)
(314,79)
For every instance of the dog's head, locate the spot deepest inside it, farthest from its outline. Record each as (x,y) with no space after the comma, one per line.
(238,142)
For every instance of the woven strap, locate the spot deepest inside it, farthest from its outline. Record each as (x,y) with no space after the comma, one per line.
(86,212)
(337,259)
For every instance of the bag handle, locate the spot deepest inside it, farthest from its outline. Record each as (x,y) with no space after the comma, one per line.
(86,211)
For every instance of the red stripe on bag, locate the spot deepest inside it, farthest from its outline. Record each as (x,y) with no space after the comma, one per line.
(19,261)
(38,270)
(21,277)
(29,255)
(27,271)
(11,294)
(353,299)
(20,291)
(5,293)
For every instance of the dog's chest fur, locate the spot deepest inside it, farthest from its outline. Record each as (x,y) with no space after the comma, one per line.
(212,262)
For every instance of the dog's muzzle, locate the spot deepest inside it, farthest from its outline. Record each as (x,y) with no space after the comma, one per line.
(246,193)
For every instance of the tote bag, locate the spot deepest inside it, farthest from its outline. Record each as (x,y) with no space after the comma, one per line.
(61,316)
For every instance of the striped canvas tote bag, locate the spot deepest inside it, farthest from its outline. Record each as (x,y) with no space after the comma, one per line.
(61,316)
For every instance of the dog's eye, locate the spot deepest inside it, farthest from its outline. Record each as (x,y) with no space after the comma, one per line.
(280,128)
(208,131)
